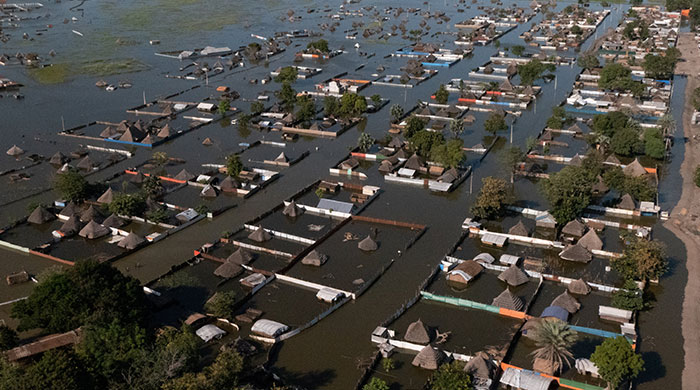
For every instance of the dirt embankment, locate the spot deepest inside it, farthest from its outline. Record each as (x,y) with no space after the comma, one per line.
(685,221)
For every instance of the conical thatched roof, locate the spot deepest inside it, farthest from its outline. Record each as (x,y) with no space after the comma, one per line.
(14,151)
(599,186)
(627,202)
(314,258)
(576,161)
(241,256)
(113,221)
(385,166)
(350,163)
(131,241)
(207,142)
(106,197)
(292,210)
(149,140)
(574,228)
(94,230)
(90,214)
(71,226)
(508,301)
(164,132)
(591,241)
(417,333)
(634,169)
(209,191)
(184,175)
(414,162)
(519,229)
(132,134)
(230,184)
(514,276)
(576,253)
(395,142)
(70,210)
(566,302)
(579,287)
(86,163)
(58,159)
(282,158)
(40,215)
(480,366)
(612,159)
(368,244)
(108,132)
(429,358)
(228,270)
(260,235)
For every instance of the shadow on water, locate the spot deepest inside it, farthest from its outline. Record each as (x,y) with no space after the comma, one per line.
(307,379)
(653,367)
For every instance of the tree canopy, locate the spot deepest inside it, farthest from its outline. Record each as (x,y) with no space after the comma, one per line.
(414,124)
(588,61)
(234,166)
(495,123)
(495,194)
(533,70)
(617,77)
(321,45)
(641,260)
(661,66)
(441,95)
(424,141)
(352,105)
(448,154)
(616,361)
(288,74)
(450,376)
(72,186)
(568,192)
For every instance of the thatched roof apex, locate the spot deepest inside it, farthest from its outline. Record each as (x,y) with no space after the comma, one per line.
(567,302)
(580,287)
(417,333)
(514,276)
(591,241)
(368,244)
(40,215)
(507,300)
(576,253)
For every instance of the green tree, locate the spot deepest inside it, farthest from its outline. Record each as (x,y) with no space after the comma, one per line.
(424,141)
(553,339)
(450,154)
(626,142)
(629,297)
(494,196)
(617,77)
(352,105)
(518,50)
(441,95)
(288,74)
(396,113)
(456,127)
(654,145)
(495,123)
(616,361)
(127,204)
(568,192)
(234,166)
(224,106)
(72,186)
(533,70)
(152,186)
(87,293)
(365,142)
(158,215)
(257,107)
(376,100)
(307,108)
(608,124)
(376,384)
(641,260)
(160,158)
(661,66)
(588,61)
(57,370)
(512,158)
(388,364)
(287,96)
(321,45)
(450,377)
(331,105)
(8,338)
(222,304)
(414,124)
(224,372)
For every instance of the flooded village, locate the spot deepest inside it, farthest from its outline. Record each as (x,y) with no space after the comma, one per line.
(349,195)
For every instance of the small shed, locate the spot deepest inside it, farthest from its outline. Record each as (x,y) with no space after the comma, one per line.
(576,253)
(429,358)
(514,276)
(417,333)
(268,328)
(507,300)
(509,259)
(465,272)
(484,257)
(492,239)
(314,258)
(329,295)
(368,244)
(260,235)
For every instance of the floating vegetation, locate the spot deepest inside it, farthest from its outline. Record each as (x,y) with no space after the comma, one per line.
(112,67)
(50,74)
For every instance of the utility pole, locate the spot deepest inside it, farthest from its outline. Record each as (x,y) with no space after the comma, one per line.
(63,124)
(144,96)
(471,182)
(511,133)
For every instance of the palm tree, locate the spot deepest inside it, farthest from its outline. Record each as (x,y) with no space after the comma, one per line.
(553,338)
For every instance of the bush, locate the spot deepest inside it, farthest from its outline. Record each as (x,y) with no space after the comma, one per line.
(495,194)
(376,384)
(424,141)
(159,215)
(72,186)
(495,123)
(222,305)
(629,297)
(127,204)
(450,377)
(234,166)
(654,145)
(441,95)
(617,361)
(414,124)
(641,260)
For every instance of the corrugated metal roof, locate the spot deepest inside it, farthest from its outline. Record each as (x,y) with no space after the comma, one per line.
(335,205)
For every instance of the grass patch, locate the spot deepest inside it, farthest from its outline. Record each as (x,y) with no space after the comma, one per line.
(112,67)
(54,74)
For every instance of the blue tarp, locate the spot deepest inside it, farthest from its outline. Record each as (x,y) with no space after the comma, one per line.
(556,312)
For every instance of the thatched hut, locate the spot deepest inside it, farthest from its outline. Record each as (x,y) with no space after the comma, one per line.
(58,159)
(292,210)
(184,175)
(368,244)
(228,270)
(414,162)
(40,215)
(86,164)
(91,214)
(314,258)
(113,221)
(566,302)
(507,300)
(229,184)
(576,253)
(132,241)
(465,272)
(634,169)
(260,235)
(282,158)
(514,276)
(209,191)
(579,287)
(627,202)
(106,197)
(241,256)
(417,333)
(429,358)
(14,151)
(574,228)
(591,241)
(94,230)
(480,366)
(519,229)
(71,226)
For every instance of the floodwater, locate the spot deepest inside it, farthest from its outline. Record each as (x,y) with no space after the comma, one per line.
(326,355)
